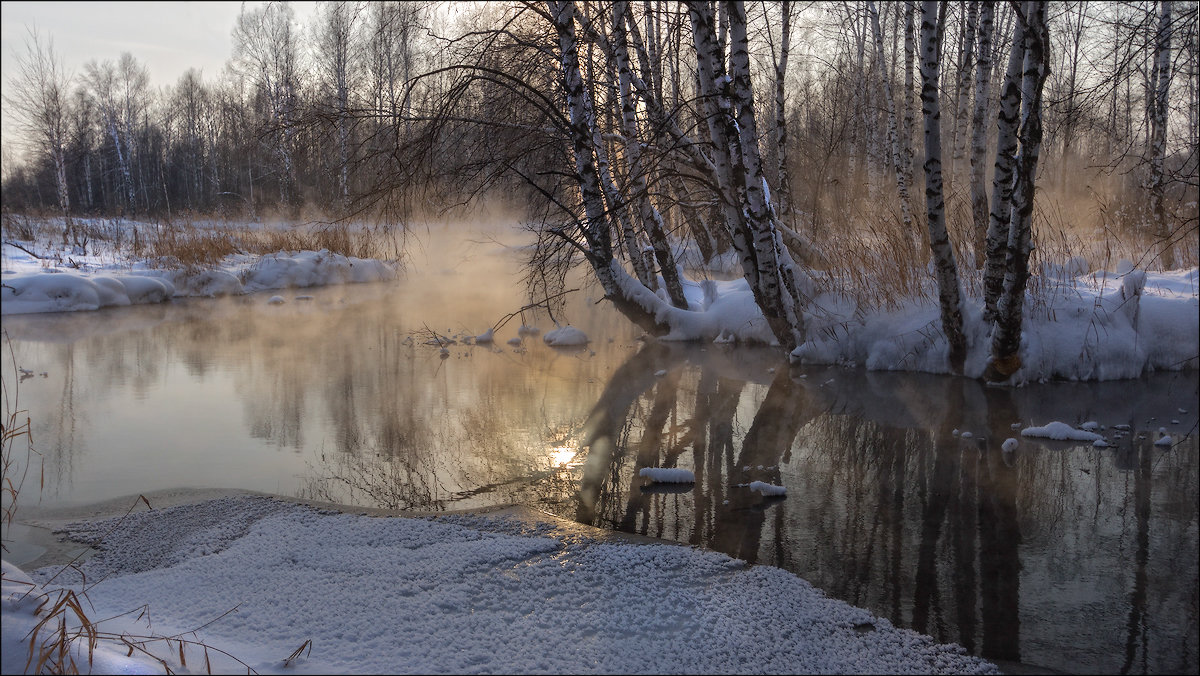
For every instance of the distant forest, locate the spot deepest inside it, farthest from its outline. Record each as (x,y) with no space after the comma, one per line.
(378,109)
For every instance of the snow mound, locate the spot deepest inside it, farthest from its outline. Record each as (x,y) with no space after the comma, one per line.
(1164,440)
(668,475)
(767,489)
(1009,445)
(68,292)
(486,337)
(1060,431)
(565,336)
(27,291)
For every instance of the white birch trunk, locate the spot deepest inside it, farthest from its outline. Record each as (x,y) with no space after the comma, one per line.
(1158,133)
(946,271)
(962,94)
(1006,335)
(983,73)
(641,308)
(777,292)
(650,217)
(1008,119)
(893,135)
(909,102)
(783,189)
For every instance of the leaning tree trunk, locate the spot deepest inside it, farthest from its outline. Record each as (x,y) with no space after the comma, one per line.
(1006,336)
(629,296)
(996,244)
(949,294)
(649,215)
(777,292)
(1161,80)
(983,74)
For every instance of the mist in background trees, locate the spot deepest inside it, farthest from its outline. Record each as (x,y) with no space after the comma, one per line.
(377,110)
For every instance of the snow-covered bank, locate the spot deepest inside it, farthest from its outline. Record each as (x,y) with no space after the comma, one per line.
(32,285)
(1094,326)
(463,594)
(1097,326)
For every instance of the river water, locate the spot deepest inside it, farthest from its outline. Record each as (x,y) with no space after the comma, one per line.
(899,497)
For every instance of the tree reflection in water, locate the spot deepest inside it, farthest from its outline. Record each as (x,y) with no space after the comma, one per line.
(1065,556)
(1045,555)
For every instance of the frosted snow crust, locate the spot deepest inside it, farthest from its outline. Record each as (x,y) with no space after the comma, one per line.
(389,595)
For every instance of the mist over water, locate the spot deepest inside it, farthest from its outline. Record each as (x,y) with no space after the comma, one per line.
(899,497)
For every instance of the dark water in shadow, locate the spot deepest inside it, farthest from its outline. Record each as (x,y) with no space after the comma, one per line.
(899,495)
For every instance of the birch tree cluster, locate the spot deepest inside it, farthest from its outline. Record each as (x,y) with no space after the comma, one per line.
(766,133)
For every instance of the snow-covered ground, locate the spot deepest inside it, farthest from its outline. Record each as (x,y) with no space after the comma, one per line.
(66,281)
(459,594)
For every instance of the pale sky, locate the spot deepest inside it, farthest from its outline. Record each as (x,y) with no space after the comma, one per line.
(168,37)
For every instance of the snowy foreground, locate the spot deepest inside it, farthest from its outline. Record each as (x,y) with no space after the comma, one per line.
(474,594)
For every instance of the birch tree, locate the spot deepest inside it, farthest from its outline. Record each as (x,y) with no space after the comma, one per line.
(334,49)
(893,135)
(983,73)
(266,53)
(595,229)
(1160,81)
(1006,334)
(962,90)
(766,263)
(40,101)
(910,52)
(783,187)
(1008,120)
(649,215)
(945,268)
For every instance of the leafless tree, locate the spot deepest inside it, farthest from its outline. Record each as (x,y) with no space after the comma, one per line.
(40,103)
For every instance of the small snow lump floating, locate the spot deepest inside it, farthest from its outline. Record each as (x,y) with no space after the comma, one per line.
(668,475)
(767,489)
(565,336)
(1060,431)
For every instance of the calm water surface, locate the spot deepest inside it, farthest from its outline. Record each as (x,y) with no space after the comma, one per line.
(900,499)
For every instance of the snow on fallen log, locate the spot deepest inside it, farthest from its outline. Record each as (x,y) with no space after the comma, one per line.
(1060,431)
(767,489)
(668,475)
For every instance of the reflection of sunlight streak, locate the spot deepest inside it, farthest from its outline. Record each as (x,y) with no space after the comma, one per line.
(561,456)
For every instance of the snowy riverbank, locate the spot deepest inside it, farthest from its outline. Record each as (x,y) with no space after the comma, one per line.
(1081,322)
(70,283)
(456,594)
